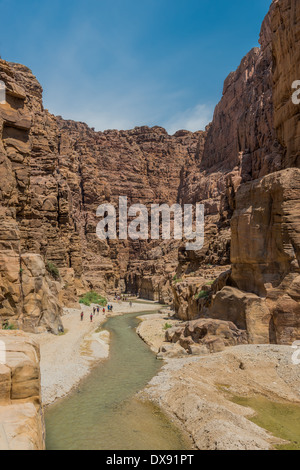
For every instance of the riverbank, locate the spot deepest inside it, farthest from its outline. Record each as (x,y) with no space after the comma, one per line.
(67,359)
(104,413)
(152,329)
(201,391)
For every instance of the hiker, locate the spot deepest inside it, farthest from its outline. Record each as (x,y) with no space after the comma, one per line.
(82,315)
(104,310)
(130,304)
(91,317)
(98,310)
(94,310)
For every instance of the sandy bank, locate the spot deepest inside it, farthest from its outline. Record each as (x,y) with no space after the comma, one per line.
(67,359)
(152,329)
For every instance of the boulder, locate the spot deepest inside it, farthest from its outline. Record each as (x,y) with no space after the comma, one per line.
(21,413)
(206,335)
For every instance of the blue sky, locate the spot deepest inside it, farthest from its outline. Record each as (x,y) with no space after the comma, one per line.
(125,63)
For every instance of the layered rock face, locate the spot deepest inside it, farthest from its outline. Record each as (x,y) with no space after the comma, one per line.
(21,414)
(29,204)
(253,138)
(144,164)
(241,145)
(54,175)
(266,251)
(286,51)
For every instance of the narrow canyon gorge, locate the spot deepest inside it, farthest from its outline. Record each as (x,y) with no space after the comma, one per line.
(242,288)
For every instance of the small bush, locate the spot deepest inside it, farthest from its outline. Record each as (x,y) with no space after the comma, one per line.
(176,279)
(6,326)
(201,295)
(167,326)
(210,283)
(92,298)
(52,270)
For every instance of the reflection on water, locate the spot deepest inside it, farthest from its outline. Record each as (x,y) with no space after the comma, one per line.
(103,414)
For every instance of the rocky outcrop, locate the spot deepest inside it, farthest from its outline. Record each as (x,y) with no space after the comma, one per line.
(206,336)
(198,391)
(265,261)
(266,249)
(29,204)
(21,414)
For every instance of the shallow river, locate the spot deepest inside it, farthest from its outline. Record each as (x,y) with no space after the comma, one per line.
(103,414)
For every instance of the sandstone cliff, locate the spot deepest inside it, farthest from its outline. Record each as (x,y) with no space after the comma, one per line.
(55,173)
(252,140)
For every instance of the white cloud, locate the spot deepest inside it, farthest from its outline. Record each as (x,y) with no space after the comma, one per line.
(193,119)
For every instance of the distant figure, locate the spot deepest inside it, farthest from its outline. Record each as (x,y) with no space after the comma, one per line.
(91,317)
(104,310)
(82,315)
(130,304)
(98,310)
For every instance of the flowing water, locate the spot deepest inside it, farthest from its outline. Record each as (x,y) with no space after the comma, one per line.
(104,414)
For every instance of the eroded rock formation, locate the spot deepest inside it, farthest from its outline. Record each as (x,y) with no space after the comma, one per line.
(21,414)
(206,336)
(55,173)
(248,180)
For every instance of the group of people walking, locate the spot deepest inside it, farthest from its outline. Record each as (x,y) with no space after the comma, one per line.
(96,311)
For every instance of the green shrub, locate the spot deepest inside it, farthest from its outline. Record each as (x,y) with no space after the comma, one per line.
(167,326)
(52,270)
(201,295)
(7,326)
(176,279)
(92,298)
(210,283)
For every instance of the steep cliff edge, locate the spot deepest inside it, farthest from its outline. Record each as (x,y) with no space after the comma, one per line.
(253,139)
(28,204)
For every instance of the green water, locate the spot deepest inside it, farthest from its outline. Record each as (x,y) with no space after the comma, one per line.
(103,414)
(282,420)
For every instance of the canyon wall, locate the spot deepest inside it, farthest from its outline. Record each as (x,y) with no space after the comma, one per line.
(54,174)
(29,205)
(262,291)
(286,69)
(146,165)
(247,179)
